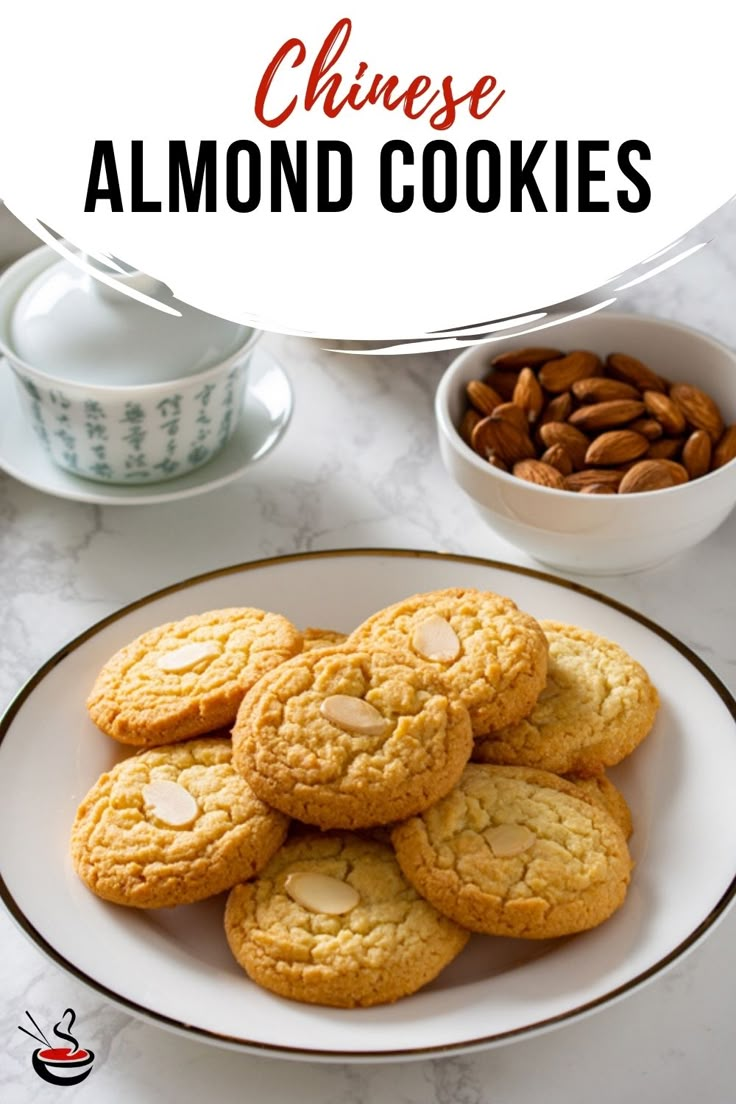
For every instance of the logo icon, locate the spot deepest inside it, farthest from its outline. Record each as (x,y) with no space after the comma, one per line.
(60,1065)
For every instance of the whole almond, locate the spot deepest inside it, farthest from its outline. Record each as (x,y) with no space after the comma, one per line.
(528,394)
(627,368)
(483,397)
(595,389)
(170,802)
(606,415)
(558,457)
(503,383)
(696,453)
(572,440)
(598,489)
(502,438)
(652,475)
(352,714)
(669,416)
(559,375)
(725,450)
(535,471)
(557,409)
(435,639)
(667,448)
(563,420)
(648,427)
(513,413)
(525,358)
(471,417)
(699,409)
(609,477)
(616,447)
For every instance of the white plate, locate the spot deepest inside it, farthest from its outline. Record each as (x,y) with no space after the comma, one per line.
(173,966)
(266,412)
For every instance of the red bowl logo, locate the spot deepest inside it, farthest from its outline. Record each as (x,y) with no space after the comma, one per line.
(59,1065)
(62,1065)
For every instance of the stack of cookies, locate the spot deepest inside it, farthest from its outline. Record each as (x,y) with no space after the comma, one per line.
(336,799)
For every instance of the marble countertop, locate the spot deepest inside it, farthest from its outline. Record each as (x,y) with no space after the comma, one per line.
(359,467)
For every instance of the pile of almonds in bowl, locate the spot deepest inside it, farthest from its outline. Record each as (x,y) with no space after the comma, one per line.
(572,422)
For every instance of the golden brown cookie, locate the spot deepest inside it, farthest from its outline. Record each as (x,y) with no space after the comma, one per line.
(597,706)
(518,852)
(173,825)
(188,677)
(346,739)
(492,655)
(322,638)
(601,789)
(332,920)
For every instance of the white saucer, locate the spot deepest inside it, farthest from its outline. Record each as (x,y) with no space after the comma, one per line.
(266,412)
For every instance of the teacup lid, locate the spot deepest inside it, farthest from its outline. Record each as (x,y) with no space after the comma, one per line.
(74,327)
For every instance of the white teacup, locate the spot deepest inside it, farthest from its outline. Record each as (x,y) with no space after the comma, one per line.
(118,391)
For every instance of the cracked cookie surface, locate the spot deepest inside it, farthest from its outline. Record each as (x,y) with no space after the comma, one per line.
(300,761)
(125,853)
(137,700)
(391,943)
(517,852)
(597,706)
(501,664)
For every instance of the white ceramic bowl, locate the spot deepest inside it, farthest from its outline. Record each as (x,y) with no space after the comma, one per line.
(597,534)
(127,433)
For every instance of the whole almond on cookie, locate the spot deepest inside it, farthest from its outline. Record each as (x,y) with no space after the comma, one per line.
(696,453)
(595,389)
(525,358)
(535,471)
(631,370)
(606,415)
(725,450)
(559,375)
(699,409)
(652,475)
(616,447)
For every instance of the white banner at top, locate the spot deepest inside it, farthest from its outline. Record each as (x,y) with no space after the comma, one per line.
(378,170)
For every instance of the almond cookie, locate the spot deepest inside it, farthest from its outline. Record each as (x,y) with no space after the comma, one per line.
(173,825)
(332,920)
(322,638)
(601,789)
(348,739)
(492,656)
(518,852)
(597,706)
(188,678)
